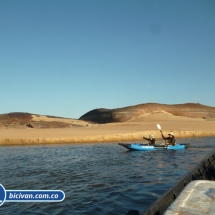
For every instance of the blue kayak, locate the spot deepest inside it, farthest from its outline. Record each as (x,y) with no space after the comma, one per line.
(146,147)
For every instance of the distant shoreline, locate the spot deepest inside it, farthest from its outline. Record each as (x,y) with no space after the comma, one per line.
(104,133)
(94,139)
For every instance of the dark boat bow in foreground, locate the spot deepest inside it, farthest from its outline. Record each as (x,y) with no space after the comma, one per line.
(205,170)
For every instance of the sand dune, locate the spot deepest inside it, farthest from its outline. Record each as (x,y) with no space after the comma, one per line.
(111,132)
(21,120)
(14,130)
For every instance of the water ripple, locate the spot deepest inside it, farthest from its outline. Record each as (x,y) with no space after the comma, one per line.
(96,178)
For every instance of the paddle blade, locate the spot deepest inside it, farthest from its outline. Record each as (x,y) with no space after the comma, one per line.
(158,126)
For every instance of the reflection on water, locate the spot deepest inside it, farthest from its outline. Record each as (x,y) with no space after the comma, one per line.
(96,178)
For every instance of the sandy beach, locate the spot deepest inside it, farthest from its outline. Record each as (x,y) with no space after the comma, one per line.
(112,132)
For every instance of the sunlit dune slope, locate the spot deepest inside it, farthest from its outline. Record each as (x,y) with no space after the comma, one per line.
(22,120)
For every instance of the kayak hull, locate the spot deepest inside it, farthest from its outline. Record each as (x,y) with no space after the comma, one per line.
(146,147)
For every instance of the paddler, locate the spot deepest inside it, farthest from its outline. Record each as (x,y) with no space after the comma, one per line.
(151,140)
(170,139)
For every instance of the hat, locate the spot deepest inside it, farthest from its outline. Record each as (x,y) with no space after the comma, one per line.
(170,133)
(151,136)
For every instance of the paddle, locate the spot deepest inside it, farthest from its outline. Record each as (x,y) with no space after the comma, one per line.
(159,128)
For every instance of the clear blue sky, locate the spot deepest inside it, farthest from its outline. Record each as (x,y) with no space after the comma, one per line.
(67,57)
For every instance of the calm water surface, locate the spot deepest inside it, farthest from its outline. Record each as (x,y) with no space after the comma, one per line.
(96,178)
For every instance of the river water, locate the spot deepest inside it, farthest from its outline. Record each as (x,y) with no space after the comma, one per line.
(96,178)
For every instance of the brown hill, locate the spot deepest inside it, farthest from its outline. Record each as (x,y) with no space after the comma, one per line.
(28,120)
(143,112)
(140,112)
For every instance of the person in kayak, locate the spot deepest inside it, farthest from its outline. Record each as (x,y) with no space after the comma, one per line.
(151,140)
(170,139)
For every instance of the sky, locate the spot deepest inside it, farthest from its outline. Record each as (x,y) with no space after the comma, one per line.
(67,57)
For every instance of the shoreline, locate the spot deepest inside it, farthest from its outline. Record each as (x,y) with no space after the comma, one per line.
(107,133)
(95,139)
